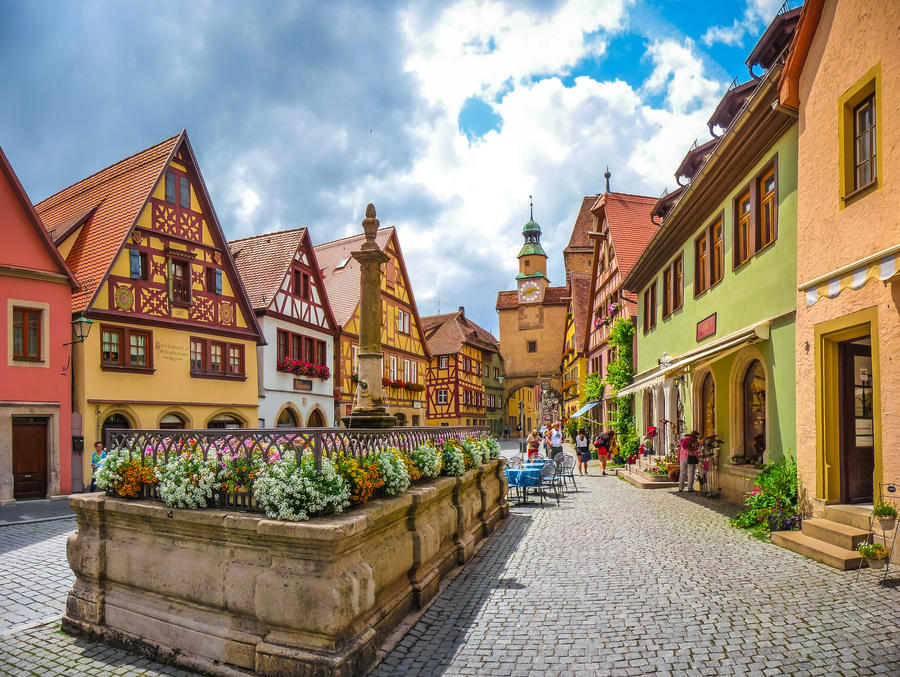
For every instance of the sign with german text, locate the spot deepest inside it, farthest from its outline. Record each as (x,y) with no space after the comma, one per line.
(706,327)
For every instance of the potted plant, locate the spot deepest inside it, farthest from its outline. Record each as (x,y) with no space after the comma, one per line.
(874,553)
(886,514)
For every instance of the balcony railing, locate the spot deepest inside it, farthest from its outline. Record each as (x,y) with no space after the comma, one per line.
(181,291)
(157,446)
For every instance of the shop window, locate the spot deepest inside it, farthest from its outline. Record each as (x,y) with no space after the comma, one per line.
(27,334)
(754,410)
(708,406)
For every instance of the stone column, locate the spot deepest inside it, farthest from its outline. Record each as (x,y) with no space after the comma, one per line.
(368,410)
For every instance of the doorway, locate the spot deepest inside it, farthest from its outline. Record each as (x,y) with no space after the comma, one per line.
(856,425)
(29,451)
(113,422)
(316,420)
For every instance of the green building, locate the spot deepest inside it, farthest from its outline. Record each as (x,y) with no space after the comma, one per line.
(492,378)
(717,287)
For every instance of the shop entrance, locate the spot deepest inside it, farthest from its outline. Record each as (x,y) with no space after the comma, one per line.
(29,450)
(856,427)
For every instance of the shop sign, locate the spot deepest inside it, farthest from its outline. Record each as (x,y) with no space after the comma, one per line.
(302,384)
(706,327)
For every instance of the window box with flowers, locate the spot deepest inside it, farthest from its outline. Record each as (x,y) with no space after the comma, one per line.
(301,368)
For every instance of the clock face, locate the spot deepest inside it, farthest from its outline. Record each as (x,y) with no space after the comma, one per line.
(529,291)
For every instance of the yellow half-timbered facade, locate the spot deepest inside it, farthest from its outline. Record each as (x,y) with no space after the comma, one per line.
(405,352)
(173,342)
(574,364)
(455,384)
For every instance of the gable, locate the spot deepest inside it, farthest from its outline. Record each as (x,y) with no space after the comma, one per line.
(301,295)
(395,283)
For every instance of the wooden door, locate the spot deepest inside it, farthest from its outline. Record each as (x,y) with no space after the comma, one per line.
(856,423)
(29,460)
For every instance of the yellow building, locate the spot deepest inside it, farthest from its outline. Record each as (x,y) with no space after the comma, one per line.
(574,364)
(529,396)
(405,354)
(455,385)
(173,340)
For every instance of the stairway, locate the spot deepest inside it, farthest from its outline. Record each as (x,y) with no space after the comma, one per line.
(831,540)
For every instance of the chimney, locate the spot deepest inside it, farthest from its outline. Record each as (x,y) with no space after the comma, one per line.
(462,311)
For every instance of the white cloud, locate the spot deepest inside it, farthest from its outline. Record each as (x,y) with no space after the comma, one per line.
(757,13)
(679,71)
(732,35)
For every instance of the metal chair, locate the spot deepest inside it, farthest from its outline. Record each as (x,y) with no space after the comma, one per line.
(567,471)
(548,479)
(514,462)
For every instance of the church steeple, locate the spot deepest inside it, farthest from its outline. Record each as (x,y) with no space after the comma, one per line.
(531,231)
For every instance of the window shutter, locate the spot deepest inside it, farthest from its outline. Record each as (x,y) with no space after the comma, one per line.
(170,188)
(218,281)
(134,263)
(185,193)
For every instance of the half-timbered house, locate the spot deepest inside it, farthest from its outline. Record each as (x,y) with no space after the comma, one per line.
(460,352)
(174,338)
(283,281)
(574,364)
(405,353)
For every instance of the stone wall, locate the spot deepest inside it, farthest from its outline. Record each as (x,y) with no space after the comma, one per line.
(229,593)
(735,481)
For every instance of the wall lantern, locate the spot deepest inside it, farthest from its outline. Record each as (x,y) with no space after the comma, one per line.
(81,327)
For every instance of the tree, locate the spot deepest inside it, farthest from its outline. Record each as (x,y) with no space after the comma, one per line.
(619,374)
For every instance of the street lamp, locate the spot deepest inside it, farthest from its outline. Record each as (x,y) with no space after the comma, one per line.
(81,327)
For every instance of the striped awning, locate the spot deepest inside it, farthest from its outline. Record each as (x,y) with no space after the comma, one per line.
(881,266)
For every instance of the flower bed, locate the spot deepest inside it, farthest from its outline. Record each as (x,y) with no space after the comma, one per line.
(282,478)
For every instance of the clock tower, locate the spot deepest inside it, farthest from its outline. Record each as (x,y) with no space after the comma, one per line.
(532,278)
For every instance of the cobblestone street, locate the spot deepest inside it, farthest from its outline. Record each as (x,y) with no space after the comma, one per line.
(614,581)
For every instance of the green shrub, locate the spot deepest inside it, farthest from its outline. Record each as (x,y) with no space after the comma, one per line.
(772,504)
(884,510)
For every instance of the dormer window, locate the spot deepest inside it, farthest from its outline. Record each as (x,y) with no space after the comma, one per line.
(343,262)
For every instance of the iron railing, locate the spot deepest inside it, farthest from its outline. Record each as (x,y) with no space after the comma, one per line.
(156,446)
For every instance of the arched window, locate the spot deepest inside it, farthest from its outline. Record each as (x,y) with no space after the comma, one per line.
(401,419)
(113,422)
(754,410)
(316,420)
(287,419)
(171,422)
(708,406)
(224,421)
(648,409)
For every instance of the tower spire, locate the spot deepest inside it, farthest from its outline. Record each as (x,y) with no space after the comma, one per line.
(531,207)
(606,175)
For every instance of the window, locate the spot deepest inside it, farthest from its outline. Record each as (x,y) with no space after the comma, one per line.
(402,321)
(287,419)
(297,347)
(216,359)
(717,262)
(393,364)
(442,396)
(701,265)
(170,187)
(214,280)
(531,346)
(443,362)
(414,372)
(26,334)
(137,264)
(185,193)
(742,249)
(304,348)
(407,370)
(496,372)
(309,350)
(650,307)
(708,406)
(302,285)
(321,358)
(766,226)
(180,279)
(754,410)
(125,348)
(864,170)
(678,283)
(354,355)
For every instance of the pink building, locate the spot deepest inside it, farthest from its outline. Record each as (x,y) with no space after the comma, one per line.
(35,375)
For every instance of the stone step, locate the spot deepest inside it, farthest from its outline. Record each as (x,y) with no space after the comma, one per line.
(832,555)
(835,533)
(851,515)
(643,483)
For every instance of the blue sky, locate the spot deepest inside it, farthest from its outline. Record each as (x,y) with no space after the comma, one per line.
(446,115)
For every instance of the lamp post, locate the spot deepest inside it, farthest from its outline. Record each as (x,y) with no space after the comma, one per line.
(81,327)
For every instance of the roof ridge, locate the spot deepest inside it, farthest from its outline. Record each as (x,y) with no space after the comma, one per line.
(350,237)
(267,234)
(40,205)
(643,197)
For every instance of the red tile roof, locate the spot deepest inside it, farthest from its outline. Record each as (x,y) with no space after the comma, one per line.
(581,293)
(553,296)
(584,222)
(447,333)
(263,261)
(342,282)
(118,192)
(630,227)
(35,220)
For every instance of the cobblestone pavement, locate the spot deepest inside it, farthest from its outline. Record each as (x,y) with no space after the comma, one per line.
(620,581)
(616,581)
(34,573)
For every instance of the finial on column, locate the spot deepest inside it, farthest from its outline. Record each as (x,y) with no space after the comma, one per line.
(531,207)
(606,174)
(370,226)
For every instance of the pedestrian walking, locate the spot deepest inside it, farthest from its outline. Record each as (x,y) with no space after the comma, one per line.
(97,459)
(534,443)
(601,444)
(555,438)
(583,450)
(687,457)
(506,432)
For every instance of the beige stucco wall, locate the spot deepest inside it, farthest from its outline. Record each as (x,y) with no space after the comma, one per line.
(830,236)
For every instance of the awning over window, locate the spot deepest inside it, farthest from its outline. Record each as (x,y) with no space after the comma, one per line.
(698,356)
(881,266)
(585,408)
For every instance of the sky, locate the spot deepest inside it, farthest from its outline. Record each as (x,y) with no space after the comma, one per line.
(446,115)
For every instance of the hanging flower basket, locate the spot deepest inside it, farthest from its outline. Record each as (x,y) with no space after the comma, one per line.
(301,368)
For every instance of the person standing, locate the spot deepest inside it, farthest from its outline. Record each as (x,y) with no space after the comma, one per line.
(583,450)
(534,443)
(687,457)
(602,446)
(556,441)
(97,459)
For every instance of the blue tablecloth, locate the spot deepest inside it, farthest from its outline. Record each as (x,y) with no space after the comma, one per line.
(527,476)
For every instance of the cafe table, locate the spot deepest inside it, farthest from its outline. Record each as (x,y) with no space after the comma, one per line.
(529,475)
